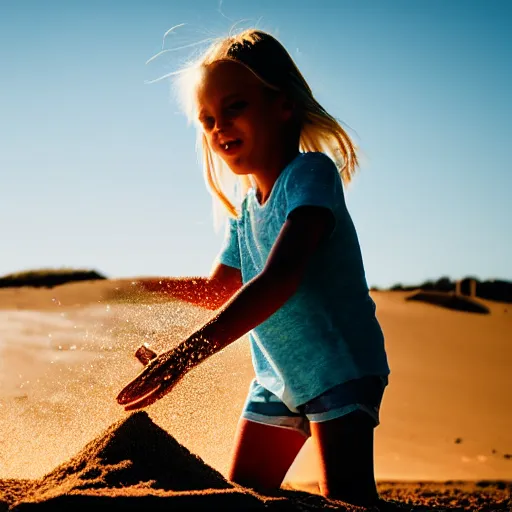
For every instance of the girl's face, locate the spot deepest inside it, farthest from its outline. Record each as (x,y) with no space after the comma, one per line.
(243,121)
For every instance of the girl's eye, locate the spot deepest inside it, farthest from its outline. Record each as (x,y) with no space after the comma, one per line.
(238,105)
(208,122)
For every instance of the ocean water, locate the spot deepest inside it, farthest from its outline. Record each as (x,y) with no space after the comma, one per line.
(60,371)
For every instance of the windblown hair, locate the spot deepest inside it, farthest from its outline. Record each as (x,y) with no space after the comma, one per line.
(269,61)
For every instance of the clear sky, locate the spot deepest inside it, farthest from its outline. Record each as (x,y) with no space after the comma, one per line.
(98,169)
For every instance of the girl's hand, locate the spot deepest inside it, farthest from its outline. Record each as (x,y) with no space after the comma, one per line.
(157,379)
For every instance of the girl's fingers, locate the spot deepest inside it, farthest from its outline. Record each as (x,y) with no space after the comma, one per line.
(160,391)
(145,383)
(155,395)
(150,385)
(145,401)
(133,391)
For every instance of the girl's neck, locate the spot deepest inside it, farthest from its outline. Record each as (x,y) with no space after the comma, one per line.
(264,180)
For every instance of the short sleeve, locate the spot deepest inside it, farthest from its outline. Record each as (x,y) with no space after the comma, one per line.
(314,181)
(230,251)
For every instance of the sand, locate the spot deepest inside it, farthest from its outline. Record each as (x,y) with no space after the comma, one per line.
(445,440)
(135,464)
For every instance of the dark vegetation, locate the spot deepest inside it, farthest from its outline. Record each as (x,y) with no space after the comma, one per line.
(48,278)
(496,290)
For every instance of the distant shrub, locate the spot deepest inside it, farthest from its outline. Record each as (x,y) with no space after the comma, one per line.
(48,278)
(498,290)
(427,286)
(401,288)
(494,289)
(444,284)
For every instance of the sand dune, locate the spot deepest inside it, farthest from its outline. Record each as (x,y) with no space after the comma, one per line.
(66,351)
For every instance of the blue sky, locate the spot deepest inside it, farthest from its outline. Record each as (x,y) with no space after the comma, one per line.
(98,169)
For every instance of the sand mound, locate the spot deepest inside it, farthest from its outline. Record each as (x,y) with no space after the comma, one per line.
(131,452)
(135,465)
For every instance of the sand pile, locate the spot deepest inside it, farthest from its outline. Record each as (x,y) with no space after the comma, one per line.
(131,452)
(135,465)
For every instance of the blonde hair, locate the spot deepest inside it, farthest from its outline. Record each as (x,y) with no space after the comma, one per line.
(269,61)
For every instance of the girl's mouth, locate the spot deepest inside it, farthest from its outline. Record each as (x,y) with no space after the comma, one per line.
(231,146)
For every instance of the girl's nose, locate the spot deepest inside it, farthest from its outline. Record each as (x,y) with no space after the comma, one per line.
(222,123)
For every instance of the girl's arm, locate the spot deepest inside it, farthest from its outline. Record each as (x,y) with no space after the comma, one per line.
(287,263)
(254,302)
(208,292)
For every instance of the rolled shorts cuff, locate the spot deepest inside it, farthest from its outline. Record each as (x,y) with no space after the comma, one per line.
(343,411)
(264,407)
(291,422)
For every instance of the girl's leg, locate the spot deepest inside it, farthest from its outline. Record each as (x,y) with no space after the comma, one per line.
(345,446)
(263,454)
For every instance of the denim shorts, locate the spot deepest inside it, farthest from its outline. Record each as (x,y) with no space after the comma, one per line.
(363,394)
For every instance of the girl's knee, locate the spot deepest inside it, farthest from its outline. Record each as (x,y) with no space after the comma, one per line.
(259,480)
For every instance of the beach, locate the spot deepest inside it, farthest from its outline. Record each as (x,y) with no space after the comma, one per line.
(65,352)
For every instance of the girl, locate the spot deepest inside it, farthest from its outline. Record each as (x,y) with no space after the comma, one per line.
(290,273)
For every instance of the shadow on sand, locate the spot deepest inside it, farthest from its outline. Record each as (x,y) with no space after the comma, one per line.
(450,300)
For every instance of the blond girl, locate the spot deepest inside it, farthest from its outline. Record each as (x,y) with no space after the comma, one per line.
(290,273)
